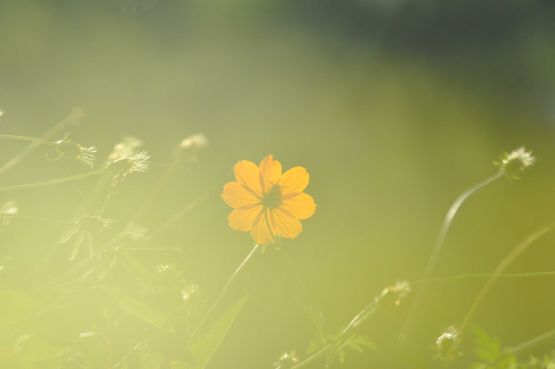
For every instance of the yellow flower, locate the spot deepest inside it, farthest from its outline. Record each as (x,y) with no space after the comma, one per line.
(267,203)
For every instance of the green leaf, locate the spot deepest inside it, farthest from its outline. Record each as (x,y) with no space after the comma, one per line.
(316,344)
(486,348)
(359,343)
(145,313)
(136,269)
(206,345)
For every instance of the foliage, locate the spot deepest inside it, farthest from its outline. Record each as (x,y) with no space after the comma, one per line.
(489,354)
(108,296)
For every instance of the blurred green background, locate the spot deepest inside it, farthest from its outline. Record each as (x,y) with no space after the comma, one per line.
(395,108)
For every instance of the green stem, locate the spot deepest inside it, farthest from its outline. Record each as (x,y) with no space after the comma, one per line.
(369,309)
(54,181)
(504,264)
(158,188)
(73,118)
(438,246)
(173,219)
(355,322)
(37,140)
(224,290)
(530,343)
(463,277)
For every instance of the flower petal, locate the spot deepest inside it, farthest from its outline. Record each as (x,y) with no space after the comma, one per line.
(247,173)
(294,180)
(237,196)
(261,231)
(243,220)
(284,224)
(301,206)
(270,171)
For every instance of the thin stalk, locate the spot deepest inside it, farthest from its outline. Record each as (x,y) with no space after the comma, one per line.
(505,262)
(54,181)
(158,188)
(73,118)
(366,312)
(35,140)
(42,219)
(438,246)
(153,249)
(224,290)
(356,321)
(463,277)
(531,343)
(172,220)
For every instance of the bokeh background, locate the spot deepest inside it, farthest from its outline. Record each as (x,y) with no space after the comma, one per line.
(395,107)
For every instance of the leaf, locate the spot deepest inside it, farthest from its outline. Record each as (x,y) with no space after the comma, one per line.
(145,313)
(316,344)
(206,345)
(486,348)
(139,272)
(359,343)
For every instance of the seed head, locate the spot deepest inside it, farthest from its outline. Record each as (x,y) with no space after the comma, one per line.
(136,163)
(189,148)
(400,290)
(515,163)
(447,343)
(69,148)
(286,360)
(126,148)
(7,212)
(189,291)
(197,141)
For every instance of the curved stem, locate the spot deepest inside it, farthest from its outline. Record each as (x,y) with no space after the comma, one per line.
(364,313)
(176,217)
(356,321)
(438,246)
(462,277)
(73,118)
(505,262)
(224,290)
(41,141)
(530,343)
(54,181)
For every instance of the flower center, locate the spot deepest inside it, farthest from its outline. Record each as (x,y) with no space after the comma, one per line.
(272,199)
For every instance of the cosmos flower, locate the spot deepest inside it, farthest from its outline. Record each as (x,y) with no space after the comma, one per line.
(266,202)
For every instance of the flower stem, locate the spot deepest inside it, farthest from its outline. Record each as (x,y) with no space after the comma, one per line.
(224,290)
(36,140)
(438,246)
(176,217)
(505,262)
(462,277)
(54,181)
(530,343)
(355,322)
(73,118)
